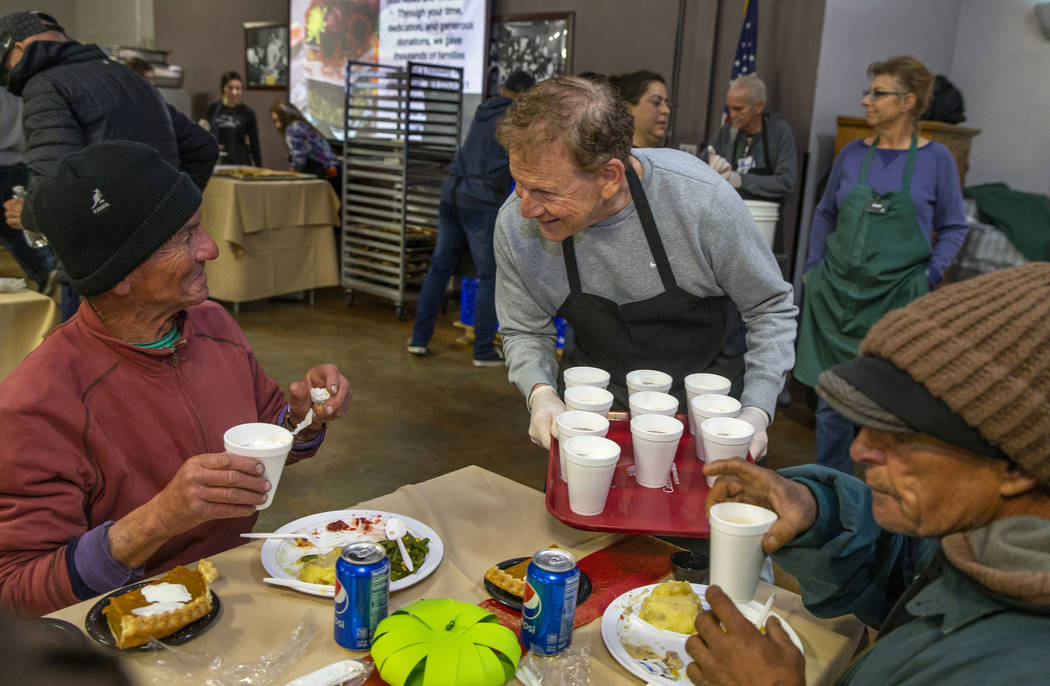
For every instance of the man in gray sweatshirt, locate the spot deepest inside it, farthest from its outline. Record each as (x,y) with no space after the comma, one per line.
(644,252)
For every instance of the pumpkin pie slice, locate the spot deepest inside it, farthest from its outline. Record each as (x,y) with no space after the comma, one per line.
(160,608)
(511,579)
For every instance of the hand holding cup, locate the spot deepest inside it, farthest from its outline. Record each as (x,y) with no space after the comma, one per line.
(741,481)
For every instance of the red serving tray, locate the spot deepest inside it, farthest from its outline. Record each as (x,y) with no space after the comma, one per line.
(675,510)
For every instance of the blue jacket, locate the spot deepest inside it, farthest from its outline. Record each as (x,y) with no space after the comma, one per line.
(479,176)
(956,630)
(74,95)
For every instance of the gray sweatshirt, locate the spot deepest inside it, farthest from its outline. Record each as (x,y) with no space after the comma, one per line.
(714,249)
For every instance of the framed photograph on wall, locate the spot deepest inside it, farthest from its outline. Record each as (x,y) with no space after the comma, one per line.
(540,44)
(266,55)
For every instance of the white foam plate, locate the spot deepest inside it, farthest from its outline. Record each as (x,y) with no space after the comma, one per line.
(621,624)
(280,556)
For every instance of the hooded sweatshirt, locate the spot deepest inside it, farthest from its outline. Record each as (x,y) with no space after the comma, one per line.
(479,177)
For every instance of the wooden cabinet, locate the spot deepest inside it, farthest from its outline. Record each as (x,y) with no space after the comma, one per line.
(956,138)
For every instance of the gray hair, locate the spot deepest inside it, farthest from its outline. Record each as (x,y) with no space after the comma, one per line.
(754,87)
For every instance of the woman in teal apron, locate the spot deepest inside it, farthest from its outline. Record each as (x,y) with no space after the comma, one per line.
(883,194)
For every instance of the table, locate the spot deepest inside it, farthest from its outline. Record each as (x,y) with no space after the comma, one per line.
(25,317)
(274,237)
(482,518)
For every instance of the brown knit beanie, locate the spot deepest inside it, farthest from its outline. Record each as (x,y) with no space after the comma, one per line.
(982,348)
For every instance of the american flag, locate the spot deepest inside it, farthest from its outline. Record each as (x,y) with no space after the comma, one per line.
(744,62)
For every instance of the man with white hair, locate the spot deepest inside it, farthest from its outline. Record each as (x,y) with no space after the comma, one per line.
(755,150)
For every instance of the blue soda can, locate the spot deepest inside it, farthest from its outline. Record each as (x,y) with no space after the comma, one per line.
(362,591)
(549,603)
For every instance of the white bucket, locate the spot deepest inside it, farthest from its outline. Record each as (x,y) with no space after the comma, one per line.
(765,214)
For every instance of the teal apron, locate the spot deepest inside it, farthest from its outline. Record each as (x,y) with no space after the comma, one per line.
(876,262)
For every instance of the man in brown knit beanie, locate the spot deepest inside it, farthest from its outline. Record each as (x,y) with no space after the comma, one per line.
(946,548)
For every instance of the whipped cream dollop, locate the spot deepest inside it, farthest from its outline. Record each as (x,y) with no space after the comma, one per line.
(163,597)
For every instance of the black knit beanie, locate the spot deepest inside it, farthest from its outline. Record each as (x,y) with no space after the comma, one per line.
(107,208)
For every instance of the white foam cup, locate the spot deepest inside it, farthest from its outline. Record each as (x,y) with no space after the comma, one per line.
(647,380)
(706,406)
(588,399)
(652,402)
(578,423)
(585,376)
(590,462)
(655,439)
(736,547)
(724,437)
(267,443)
(703,384)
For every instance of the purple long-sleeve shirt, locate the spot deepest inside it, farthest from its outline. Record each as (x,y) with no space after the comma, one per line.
(935,192)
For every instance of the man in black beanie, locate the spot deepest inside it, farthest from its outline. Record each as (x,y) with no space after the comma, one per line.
(73,95)
(112,460)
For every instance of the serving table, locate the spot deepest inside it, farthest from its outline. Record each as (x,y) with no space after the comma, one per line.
(482,518)
(274,236)
(25,318)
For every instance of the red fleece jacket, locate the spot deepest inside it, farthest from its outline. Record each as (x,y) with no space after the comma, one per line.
(94,427)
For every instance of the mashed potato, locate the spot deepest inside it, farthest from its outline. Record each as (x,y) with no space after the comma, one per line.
(672,606)
(321,569)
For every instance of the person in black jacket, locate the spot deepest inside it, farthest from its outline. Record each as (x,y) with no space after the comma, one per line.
(234,124)
(74,95)
(478,183)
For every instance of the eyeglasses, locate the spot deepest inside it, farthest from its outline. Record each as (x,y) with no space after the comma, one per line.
(877,94)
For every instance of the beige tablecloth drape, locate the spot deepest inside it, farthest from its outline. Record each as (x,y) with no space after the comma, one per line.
(25,317)
(482,518)
(274,237)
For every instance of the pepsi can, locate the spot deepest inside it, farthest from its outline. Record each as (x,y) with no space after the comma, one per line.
(362,591)
(549,602)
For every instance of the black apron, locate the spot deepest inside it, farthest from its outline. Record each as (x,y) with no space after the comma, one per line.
(767,170)
(674,332)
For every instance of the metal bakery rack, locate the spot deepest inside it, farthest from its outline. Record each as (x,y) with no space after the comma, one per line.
(402,131)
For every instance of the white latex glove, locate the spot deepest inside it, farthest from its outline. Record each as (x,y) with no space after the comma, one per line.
(760,420)
(732,177)
(717,162)
(545,406)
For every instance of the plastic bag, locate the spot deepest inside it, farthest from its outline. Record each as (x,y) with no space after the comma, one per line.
(571,668)
(178,665)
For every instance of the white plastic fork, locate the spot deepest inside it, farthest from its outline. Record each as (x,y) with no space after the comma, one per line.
(326,540)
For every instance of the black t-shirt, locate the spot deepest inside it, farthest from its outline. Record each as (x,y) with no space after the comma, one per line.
(237,133)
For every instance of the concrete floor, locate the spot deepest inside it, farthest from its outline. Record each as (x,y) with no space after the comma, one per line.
(411,418)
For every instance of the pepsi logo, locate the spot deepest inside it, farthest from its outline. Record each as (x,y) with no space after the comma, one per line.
(341,601)
(530,602)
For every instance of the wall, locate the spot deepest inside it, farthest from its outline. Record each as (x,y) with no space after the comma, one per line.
(857,33)
(65,11)
(116,22)
(1000,63)
(206,38)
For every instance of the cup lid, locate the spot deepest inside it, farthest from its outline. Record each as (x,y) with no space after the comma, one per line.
(591,395)
(703,380)
(653,400)
(591,451)
(742,519)
(581,419)
(657,427)
(710,403)
(648,377)
(727,430)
